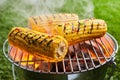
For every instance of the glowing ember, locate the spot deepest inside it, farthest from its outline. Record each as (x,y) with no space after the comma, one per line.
(87,54)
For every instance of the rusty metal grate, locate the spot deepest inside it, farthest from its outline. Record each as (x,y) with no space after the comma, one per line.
(81,57)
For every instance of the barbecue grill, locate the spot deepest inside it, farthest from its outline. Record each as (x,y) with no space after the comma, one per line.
(86,60)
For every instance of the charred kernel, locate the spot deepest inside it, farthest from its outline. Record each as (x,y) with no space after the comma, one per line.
(44,40)
(34,20)
(84,28)
(64,28)
(91,28)
(16,34)
(25,36)
(49,42)
(42,35)
(34,36)
(72,28)
(59,25)
(21,34)
(38,38)
(11,33)
(84,25)
(78,27)
(98,25)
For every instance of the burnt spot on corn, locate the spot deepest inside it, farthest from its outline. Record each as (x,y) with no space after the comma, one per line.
(25,36)
(33,42)
(44,40)
(21,34)
(98,25)
(64,36)
(49,42)
(66,33)
(34,20)
(59,25)
(91,28)
(16,34)
(72,27)
(38,38)
(42,35)
(11,33)
(84,28)
(78,27)
(29,41)
(30,33)
(64,28)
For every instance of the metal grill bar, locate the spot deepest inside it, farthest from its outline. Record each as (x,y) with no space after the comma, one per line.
(83,57)
(56,67)
(90,57)
(105,46)
(21,58)
(49,67)
(63,63)
(109,42)
(34,64)
(79,58)
(95,52)
(27,66)
(10,49)
(41,65)
(15,55)
(100,50)
(70,62)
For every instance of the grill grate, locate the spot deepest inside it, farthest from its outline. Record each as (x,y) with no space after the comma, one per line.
(81,57)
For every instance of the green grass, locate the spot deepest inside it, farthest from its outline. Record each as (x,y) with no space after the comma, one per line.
(104,9)
(109,10)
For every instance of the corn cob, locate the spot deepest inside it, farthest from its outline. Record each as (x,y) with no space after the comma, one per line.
(46,23)
(75,31)
(51,49)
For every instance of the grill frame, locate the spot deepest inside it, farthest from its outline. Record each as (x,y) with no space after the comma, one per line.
(64,70)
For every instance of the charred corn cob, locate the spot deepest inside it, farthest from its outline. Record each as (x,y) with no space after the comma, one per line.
(46,23)
(51,49)
(73,31)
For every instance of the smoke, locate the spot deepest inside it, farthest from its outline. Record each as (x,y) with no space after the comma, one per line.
(20,10)
(36,7)
(2,2)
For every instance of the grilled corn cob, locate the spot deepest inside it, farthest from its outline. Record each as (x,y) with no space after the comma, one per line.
(74,31)
(46,23)
(51,49)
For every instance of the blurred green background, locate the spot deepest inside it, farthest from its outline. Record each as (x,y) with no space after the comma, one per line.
(15,13)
